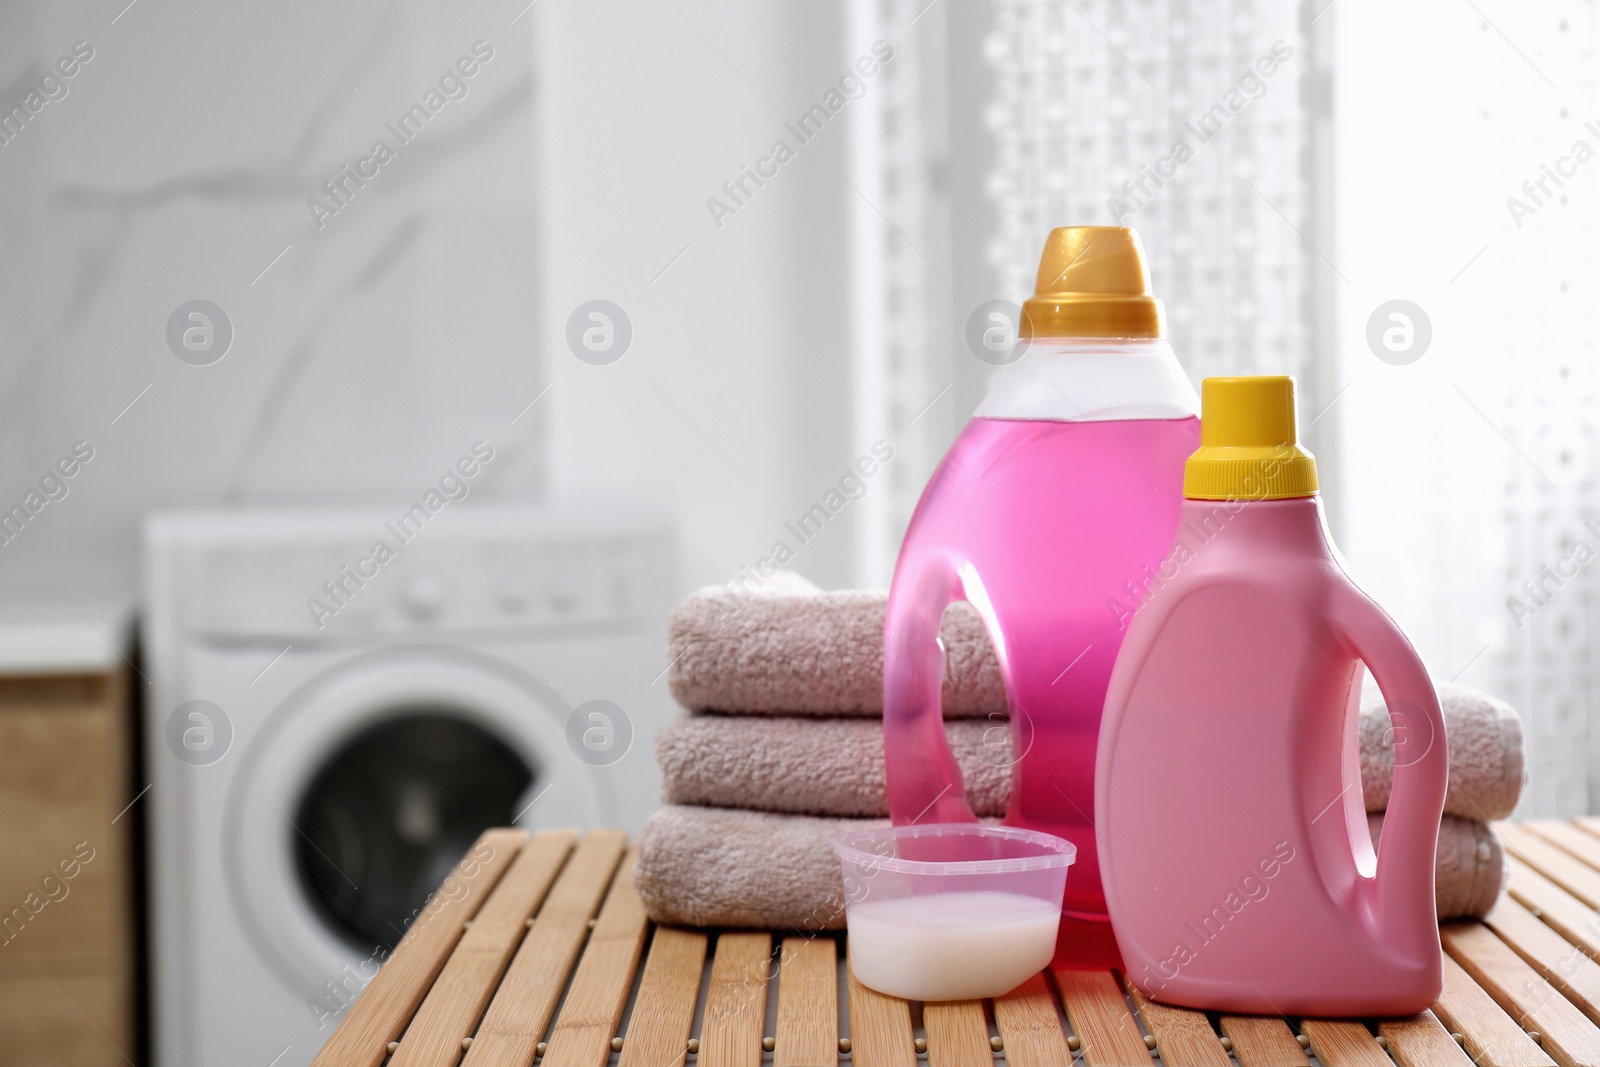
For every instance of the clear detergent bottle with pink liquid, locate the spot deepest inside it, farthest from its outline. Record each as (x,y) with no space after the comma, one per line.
(1058,498)
(1241,876)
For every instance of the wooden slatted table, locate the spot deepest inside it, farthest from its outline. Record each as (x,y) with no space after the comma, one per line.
(537,950)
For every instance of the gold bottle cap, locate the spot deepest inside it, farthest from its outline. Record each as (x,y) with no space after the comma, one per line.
(1092,283)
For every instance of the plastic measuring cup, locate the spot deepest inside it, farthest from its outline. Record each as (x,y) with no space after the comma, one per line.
(951,911)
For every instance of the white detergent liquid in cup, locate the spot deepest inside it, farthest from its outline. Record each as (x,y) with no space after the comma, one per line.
(951,911)
(951,946)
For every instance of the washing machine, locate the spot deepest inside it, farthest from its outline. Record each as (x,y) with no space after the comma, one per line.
(337,702)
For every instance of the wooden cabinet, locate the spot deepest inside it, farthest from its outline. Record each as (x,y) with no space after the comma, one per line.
(67,920)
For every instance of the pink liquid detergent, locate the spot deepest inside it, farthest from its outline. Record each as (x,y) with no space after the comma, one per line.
(1046,515)
(1040,524)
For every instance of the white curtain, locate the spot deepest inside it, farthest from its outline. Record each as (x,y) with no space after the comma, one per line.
(1470,471)
(1006,119)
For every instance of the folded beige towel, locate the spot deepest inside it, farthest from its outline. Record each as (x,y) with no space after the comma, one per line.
(790,648)
(1470,867)
(816,766)
(1487,769)
(723,867)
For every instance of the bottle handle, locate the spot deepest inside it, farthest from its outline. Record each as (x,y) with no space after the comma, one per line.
(1403,913)
(923,779)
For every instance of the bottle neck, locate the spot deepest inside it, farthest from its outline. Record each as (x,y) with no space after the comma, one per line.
(1291,524)
(1092,380)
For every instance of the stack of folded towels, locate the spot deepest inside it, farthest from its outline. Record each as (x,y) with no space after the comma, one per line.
(782,749)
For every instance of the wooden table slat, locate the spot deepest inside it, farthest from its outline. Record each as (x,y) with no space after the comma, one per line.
(455,1005)
(663,1012)
(521,1009)
(958,1034)
(736,1001)
(1554,906)
(1030,1027)
(1569,837)
(808,1002)
(599,990)
(1263,1041)
(880,1029)
(1493,1038)
(1422,1041)
(1184,1038)
(1566,1034)
(1100,1017)
(1342,1043)
(1556,864)
(386,1006)
(1558,961)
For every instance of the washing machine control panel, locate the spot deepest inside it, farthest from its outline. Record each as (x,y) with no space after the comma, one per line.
(423,595)
(499,586)
(441,580)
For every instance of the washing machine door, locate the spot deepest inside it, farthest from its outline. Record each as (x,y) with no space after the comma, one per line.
(370,783)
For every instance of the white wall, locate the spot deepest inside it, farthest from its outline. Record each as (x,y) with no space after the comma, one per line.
(416,321)
(734,401)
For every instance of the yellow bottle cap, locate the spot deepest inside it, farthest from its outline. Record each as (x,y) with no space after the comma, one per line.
(1092,283)
(1248,445)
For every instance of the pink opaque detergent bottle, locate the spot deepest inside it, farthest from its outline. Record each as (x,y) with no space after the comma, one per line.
(1057,496)
(1241,876)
